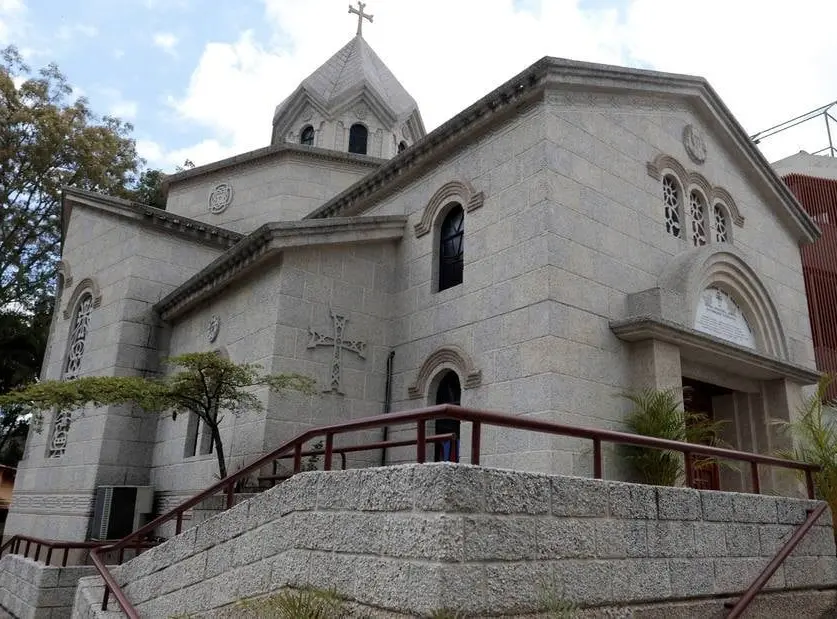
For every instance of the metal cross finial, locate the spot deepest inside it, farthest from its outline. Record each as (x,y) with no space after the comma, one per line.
(360,16)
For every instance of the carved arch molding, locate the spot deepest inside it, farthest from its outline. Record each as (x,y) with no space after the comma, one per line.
(87,284)
(661,163)
(449,357)
(453,191)
(692,272)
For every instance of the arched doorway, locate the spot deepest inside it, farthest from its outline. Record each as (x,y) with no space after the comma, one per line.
(448,391)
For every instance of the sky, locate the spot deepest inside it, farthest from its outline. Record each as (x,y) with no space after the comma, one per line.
(199,79)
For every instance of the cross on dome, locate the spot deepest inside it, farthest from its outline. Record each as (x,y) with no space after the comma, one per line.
(360,16)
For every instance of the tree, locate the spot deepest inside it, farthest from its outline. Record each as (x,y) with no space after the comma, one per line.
(207,385)
(813,432)
(149,189)
(659,413)
(48,141)
(22,344)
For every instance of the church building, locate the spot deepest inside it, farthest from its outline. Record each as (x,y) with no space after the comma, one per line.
(580,231)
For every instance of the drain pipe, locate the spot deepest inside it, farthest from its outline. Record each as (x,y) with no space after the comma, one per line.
(387,404)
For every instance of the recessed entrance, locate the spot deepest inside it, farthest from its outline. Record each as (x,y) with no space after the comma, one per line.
(698,398)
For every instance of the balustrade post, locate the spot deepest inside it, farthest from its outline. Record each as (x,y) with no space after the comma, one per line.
(297,458)
(106,597)
(64,560)
(809,482)
(178,527)
(329,451)
(49,555)
(754,473)
(597,458)
(421,439)
(476,439)
(690,469)
(230,494)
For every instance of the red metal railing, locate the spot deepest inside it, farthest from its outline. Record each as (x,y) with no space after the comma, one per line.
(758,584)
(13,544)
(420,417)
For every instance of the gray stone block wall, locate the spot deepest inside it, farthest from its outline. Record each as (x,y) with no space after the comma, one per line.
(280,188)
(132,267)
(265,319)
(418,538)
(31,590)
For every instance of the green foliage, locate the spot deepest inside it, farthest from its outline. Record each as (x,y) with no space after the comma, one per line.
(206,385)
(22,344)
(149,189)
(814,436)
(660,414)
(48,140)
(307,603)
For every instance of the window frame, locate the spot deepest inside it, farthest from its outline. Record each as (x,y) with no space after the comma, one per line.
(439,263)
(366,140)
(302,135)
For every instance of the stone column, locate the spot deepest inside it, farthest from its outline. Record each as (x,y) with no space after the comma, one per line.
(782,399)
(656,365)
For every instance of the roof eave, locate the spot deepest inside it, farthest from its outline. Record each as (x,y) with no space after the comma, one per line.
(268,241)
(146,215)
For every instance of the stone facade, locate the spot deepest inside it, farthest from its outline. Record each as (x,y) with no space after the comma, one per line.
(420,538)
(30,590)
(573,288)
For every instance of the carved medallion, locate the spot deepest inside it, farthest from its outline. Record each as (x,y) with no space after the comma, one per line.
(361,110)
(220,198)
(694,143)
(213,328)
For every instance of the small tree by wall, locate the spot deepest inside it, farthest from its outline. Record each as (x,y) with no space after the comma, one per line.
(814,435)
(206,385)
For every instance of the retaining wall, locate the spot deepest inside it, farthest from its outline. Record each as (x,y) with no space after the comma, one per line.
(418,538)
(31,590)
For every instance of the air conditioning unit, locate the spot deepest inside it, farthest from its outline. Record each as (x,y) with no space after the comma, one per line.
(119,510)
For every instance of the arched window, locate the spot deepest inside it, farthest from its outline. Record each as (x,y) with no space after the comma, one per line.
(78,336)
(79,328)
(306,138)
(451,248)
(402,146)
(722,232)
(448,391)
(697,214)
(358,137)
(672,199)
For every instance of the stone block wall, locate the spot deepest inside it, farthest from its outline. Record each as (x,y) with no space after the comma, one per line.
(31,590)
(417,538)
(284,186)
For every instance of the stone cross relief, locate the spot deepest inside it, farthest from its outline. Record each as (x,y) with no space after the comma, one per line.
(338,342)
(360,16)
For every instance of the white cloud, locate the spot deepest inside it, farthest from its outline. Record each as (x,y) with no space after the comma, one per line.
(166,41)
(767,65)
(72,31)
(117,105)
(12,19)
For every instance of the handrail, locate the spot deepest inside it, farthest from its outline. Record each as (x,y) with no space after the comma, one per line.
(749,595)
(421,417)
(13,546)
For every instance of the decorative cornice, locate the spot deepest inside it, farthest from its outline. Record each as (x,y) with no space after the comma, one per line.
(270,240)
(85,285)
(710,348)
(148,215)
(453,191)
(274,151)
(662,162)
(450,357)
